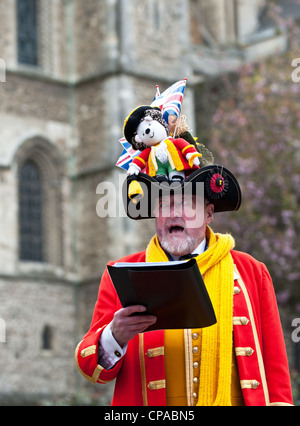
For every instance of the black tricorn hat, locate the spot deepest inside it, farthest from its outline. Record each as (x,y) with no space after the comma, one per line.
(221,188)
(133,120)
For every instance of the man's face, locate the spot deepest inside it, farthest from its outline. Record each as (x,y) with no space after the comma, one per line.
(181,222)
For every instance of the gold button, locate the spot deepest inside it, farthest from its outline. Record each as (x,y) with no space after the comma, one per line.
(195,336)
(236,289)
(195,379)
(249,351)
(195,349)
(244,320)
(195,395)
(255,384)
(82,353)
(152,386)
(149,353)
(196,365)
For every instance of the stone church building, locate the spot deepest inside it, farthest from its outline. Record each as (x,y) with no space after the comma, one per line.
(71,71)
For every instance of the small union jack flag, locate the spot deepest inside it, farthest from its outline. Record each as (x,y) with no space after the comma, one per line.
(127,155)
(170,101)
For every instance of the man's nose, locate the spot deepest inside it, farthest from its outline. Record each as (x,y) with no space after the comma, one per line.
(176,210)
(147,131)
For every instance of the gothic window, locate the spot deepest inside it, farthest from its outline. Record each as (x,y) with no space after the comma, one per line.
(27,37)
(156,15)
(40,231)
(47,338)
(30,213)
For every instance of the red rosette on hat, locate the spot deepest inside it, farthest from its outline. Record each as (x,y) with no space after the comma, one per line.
(216,184)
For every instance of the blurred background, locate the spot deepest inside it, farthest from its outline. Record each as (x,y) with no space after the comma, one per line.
(70,72)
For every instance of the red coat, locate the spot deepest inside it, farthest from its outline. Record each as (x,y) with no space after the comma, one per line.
(258,340)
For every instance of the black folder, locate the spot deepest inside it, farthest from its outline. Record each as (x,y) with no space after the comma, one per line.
(173,291)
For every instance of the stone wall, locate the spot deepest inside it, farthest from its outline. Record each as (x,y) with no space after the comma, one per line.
(27,306)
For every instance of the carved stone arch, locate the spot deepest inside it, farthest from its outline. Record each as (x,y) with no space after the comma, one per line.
(45,156)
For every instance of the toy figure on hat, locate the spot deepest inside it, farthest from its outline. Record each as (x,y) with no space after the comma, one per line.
(165,158)
(170,103)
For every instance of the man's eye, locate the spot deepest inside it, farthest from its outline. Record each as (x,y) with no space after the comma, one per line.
(187,203)
(164,205)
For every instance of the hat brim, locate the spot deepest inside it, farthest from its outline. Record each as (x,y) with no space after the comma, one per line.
(221,188)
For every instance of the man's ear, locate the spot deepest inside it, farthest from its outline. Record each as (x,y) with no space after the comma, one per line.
(137,138)
(210,213)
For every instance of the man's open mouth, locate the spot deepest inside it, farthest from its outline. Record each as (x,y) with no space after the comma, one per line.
(176,229)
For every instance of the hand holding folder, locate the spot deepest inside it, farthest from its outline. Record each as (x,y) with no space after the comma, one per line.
(172,291)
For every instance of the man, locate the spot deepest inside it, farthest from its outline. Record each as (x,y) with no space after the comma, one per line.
(241,360)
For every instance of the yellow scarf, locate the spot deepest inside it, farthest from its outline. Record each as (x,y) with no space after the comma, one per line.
(216,267)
